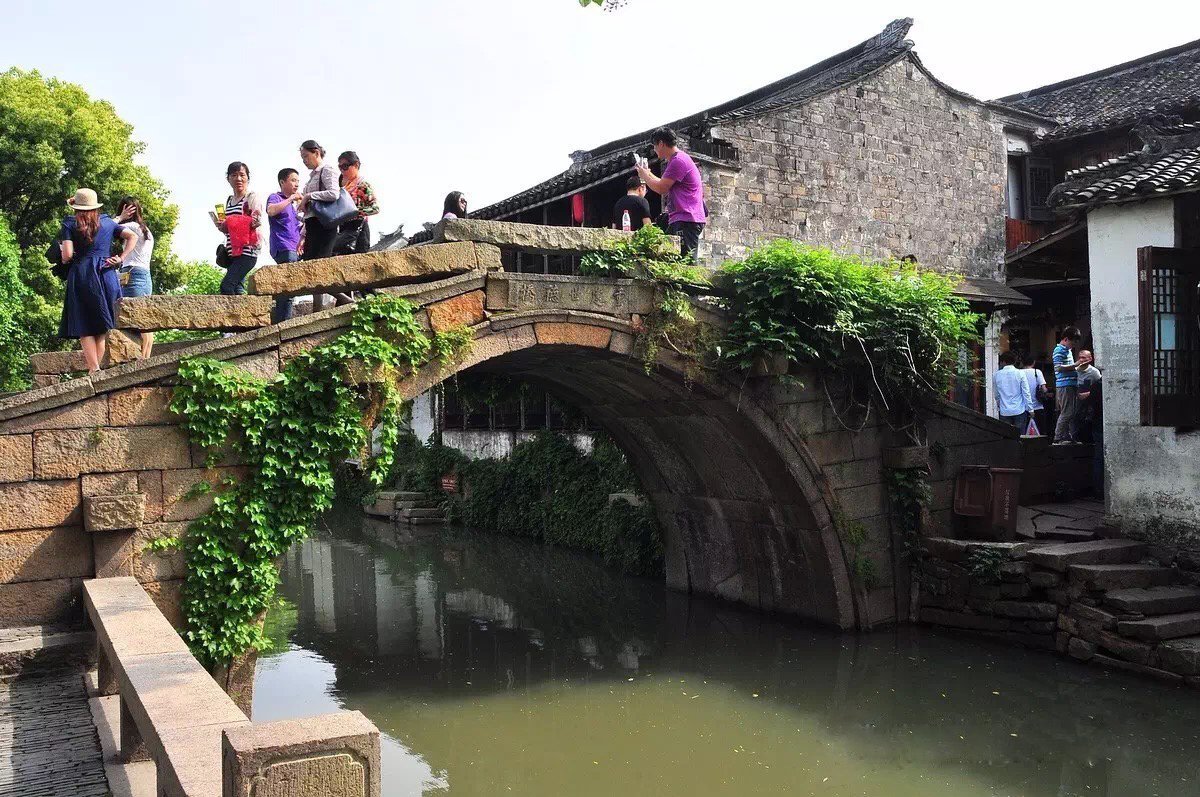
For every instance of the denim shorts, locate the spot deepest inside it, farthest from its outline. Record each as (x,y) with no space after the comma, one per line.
(136,282)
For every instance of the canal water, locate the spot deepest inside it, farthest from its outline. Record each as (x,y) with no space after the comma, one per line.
(495,666)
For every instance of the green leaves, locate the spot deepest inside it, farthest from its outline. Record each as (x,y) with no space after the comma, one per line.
(892,327)
(290,433)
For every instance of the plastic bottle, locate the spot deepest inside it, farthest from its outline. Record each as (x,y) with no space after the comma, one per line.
(626,223)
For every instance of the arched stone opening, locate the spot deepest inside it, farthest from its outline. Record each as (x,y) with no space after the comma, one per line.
(745,510)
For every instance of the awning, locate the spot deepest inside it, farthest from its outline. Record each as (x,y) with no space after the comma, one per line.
(986,291)
(1061,234)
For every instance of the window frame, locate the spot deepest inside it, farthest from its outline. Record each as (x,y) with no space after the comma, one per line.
(1180,409)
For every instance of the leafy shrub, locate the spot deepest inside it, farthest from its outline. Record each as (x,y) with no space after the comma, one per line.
(892,327)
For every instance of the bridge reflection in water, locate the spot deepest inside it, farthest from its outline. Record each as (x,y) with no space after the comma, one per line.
(492,664)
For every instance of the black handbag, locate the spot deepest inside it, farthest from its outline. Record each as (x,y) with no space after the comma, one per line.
(222,256)
(57,267)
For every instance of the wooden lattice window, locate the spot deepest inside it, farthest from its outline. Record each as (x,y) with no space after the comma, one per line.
(1169,336)
(1039,181)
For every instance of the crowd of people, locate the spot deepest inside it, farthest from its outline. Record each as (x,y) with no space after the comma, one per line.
(326,214)
(1023,393)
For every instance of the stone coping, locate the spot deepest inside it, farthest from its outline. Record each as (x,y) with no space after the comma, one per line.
(192,312)
(188,723)
(532,238)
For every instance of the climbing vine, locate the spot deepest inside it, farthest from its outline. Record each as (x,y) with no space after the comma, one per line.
(290,433)
(650,254)
(909,495)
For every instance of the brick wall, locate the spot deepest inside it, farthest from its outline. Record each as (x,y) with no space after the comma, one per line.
(893,165)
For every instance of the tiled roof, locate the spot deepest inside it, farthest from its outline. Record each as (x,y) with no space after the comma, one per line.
(1162,84)
(1123,179)
(609,159)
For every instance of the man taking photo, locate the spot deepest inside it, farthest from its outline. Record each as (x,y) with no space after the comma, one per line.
(681,190)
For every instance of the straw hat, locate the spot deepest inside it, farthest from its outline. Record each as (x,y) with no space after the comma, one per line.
(84,199)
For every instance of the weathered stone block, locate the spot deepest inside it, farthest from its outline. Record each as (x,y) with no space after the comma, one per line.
(92,412)
(177,484)
(141,406)
(168,599)
(1128,649)
(263,364)
(16,457)
(335,755)
(44,505)
(1044,579)
(366,270)
(1030,610)
(1015,571)
(290,349)
(570,334)
(66,453)
(114,512)
(167,564)
(39,602)
(42,554)
(1181,655)
(109,483)
(512,291)
(1080,649)
(218,313)
(463,310)
(112,552)
(535,238)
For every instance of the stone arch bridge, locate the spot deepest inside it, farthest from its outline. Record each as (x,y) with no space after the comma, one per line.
(755,480)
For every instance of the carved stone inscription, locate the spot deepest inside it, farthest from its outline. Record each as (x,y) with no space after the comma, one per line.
(334,775)
(541,292)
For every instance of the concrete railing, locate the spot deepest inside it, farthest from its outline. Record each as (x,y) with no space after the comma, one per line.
(173,713)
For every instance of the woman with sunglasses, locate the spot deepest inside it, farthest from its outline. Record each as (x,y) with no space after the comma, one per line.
(355,235)
(455,206)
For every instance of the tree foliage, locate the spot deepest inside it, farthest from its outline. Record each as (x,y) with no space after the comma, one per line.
(54,138)
(15,298)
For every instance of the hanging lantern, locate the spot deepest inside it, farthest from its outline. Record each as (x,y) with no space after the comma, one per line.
(577,209)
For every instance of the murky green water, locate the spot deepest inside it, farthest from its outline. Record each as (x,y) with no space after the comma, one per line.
(494,667)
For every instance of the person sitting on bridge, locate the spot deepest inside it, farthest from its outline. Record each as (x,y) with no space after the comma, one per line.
(632,211)
(680,187)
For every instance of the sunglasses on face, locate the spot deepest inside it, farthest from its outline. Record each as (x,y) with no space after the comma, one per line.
(344,166)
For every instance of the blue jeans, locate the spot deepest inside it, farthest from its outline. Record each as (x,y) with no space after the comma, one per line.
(283,304)
(234,282)
(137,282)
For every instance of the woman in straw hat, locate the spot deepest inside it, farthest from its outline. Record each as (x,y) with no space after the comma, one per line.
(92,287)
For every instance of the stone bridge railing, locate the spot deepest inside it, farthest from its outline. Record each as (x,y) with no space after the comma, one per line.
(755,480)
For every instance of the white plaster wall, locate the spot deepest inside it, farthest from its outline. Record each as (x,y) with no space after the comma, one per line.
(1150,470)
(485,444)
(423,416)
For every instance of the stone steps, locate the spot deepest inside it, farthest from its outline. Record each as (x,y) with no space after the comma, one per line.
(1060,557)
(1155,600)
(426,521)
(33,648)
(1168,626)
(1065,535)
(1120,576)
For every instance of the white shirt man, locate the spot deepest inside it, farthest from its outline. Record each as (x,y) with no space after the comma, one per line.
(1014,403)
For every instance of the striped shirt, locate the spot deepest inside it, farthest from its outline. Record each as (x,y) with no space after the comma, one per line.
(238,207)
(1063,356)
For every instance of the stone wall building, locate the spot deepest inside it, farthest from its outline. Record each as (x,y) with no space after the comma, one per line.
(866,153)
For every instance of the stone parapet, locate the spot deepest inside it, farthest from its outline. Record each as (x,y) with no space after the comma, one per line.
(217,313)
(335,755)
(536,238)
(373,269)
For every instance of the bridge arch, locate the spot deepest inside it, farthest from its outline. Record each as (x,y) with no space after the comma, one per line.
(746,510)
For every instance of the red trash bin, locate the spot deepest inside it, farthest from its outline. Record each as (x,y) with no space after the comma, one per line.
(988,497)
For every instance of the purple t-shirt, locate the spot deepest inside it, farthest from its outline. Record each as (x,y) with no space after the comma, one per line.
(285,227)
(686,197)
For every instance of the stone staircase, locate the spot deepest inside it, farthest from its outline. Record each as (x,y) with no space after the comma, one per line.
(408,508)
(1125,609)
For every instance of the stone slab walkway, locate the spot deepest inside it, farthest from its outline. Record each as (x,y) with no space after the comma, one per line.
(48,742)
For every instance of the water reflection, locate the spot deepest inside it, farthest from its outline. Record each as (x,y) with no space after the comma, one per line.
(494,666)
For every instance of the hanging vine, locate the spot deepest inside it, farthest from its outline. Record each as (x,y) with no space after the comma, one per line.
(290,433)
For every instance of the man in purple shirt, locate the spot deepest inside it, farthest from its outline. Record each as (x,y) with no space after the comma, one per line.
(285,231)
(681,190)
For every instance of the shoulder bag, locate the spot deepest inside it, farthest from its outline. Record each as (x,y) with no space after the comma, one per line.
(334,212)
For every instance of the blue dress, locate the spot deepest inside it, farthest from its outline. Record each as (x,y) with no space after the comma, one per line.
(92,288)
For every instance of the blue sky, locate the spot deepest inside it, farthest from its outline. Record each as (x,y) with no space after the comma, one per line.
(490,97)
